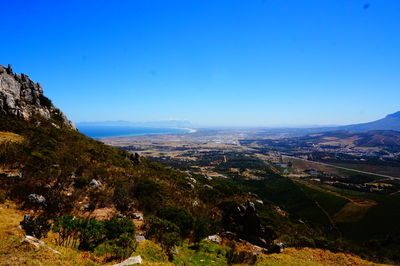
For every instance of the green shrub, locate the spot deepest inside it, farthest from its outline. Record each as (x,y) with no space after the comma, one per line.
(166,233)
(81,182)
(149,195)
(179,216)
(92,233)
(121,198)
(115,227)
(119,248)
(201,229)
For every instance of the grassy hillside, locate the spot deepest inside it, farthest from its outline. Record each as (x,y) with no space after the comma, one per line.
(13,252)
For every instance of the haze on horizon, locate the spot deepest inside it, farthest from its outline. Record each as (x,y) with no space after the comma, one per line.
(214,63)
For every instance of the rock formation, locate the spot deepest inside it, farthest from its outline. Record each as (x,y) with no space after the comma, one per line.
(21,97)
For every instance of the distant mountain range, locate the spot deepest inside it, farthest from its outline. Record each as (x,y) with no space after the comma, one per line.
(390,122)
(159,124)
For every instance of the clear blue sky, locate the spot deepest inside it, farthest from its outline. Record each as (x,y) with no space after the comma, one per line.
(247,62)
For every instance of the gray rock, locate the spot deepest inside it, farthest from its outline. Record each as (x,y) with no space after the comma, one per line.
(191,179)
(21,97)
(85,207)
(37,243)
(130,261)
(260,202)
(15,176)
(36,198)
(95,183)
(208,177)
(190,185)
(215,239)
(140,238)
(277,247)
(137,216)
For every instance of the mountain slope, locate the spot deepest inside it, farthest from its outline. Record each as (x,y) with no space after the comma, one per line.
(390,122)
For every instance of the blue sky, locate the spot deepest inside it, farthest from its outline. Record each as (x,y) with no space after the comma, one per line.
(217,62)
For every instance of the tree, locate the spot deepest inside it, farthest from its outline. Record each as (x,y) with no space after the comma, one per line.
(201,229)
(166,233)
(179,216)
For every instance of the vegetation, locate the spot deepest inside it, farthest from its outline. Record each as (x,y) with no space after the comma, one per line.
(60,164)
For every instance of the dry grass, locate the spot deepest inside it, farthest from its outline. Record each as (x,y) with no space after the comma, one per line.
(10,137)
(313,257)
(351,213)
(13,252)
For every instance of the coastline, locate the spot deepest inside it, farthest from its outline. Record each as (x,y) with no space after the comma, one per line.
(168,131)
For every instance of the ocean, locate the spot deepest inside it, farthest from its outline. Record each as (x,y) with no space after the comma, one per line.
(126,131)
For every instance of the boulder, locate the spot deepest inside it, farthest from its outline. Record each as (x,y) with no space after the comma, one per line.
(191,179)
(244,221)
(277,247)
(130,261)
(140,238)
(137,216)
(37,243)
(37,199)
(15,176)
(215,239)
(95,183)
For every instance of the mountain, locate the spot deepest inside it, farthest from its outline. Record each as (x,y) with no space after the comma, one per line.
(104,204)
(159,124)
(23,98)
(390,122)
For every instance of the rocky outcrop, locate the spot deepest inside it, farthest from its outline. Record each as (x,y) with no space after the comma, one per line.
(21,97)
(245,223)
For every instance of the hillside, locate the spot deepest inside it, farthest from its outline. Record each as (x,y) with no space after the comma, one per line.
(390,122)
(372,138)
(96,204)
(14,252)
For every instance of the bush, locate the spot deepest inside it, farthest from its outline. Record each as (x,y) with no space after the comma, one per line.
(91,234)
(81,182)
(121,198)
(115,227)
(201,229)
(3,197)
(37,227)
(179,216)
(166,233)
(114,236)
(119,248)
(149,195)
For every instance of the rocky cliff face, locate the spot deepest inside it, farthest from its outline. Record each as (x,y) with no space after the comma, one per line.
(21,97)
